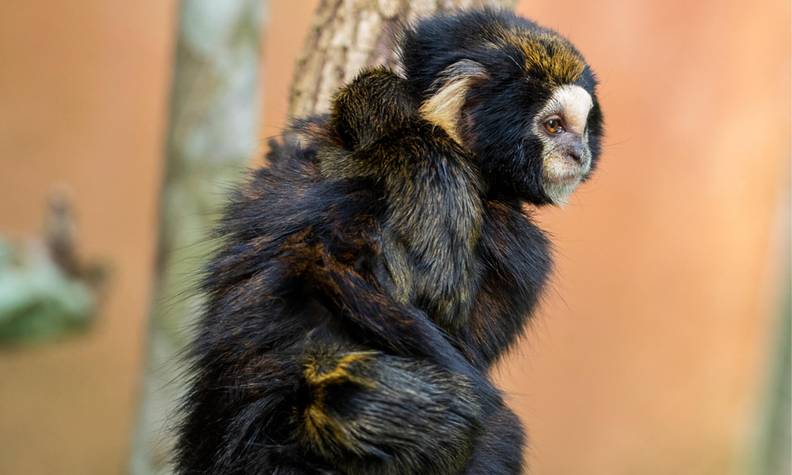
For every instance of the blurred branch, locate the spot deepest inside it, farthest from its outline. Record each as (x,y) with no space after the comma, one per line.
(212,135)
(46,291)
(774,454)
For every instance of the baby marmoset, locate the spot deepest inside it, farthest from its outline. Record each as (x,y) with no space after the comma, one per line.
(371,275)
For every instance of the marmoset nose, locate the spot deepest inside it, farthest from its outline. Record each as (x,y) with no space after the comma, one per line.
(575,152)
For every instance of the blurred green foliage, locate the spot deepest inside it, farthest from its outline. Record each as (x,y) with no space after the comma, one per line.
(38,300)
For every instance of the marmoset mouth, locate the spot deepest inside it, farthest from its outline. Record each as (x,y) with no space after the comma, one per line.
(565,179)
(564,171)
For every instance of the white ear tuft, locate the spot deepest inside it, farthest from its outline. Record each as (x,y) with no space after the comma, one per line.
(445,106)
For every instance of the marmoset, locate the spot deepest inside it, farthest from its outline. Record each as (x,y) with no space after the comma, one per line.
(373,272)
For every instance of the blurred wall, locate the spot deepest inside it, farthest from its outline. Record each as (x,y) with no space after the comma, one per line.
(650,351)
(83,95)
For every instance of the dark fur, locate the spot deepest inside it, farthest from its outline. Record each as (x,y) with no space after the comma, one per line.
(373,273)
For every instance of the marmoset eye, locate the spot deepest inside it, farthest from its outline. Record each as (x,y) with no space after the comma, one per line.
(553,126)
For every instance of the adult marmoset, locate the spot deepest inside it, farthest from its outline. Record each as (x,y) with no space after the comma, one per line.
(376,269)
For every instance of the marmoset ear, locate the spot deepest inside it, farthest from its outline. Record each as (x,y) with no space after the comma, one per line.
(449,93)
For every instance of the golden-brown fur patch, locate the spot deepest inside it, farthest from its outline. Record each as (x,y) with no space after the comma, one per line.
(550,54)
(318,422)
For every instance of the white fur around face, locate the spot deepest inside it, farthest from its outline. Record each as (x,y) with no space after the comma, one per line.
(560,174)
(574,104)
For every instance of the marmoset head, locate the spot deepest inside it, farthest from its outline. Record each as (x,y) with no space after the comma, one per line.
(520,97)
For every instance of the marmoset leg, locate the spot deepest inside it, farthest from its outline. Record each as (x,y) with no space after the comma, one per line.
(330,410)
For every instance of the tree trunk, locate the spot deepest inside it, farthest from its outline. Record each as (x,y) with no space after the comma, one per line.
(211,137)
(348,35)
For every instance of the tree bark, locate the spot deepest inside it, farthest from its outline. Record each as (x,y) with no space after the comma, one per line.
(212,135)
(348,35)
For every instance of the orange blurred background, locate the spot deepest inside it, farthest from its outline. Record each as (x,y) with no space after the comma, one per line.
(651,352)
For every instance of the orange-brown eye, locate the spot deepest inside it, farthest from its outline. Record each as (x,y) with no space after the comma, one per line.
(553,125)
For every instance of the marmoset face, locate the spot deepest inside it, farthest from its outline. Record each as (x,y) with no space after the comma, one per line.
(561,127)
(519,96)
(534,119)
